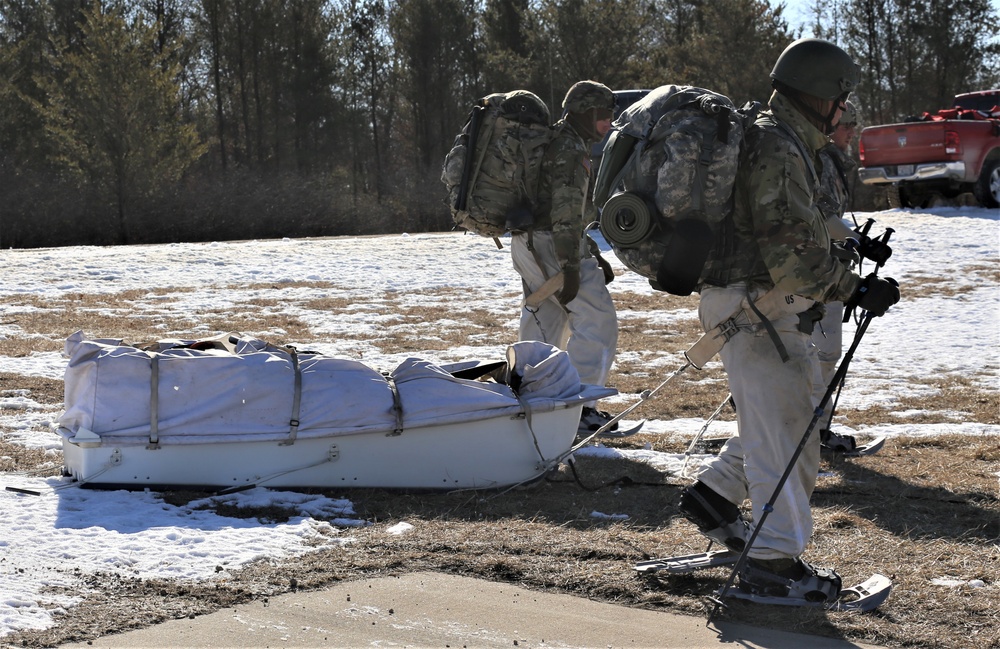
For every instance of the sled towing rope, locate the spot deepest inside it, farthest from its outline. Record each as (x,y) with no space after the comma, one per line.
(771,304)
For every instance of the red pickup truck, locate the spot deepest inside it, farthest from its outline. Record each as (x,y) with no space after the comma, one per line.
(947,153)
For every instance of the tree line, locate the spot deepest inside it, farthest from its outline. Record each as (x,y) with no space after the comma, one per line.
(138,121)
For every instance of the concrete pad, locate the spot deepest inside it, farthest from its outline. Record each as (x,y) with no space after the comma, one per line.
(438,610)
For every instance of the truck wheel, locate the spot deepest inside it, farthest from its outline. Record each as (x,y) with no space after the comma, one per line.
(912,197)
(987,190)
(892,197)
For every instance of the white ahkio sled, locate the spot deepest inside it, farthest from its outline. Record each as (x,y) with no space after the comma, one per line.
(233,412)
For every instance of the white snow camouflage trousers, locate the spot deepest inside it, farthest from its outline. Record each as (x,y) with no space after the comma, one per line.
(588,328)
(774,405)
(828,336)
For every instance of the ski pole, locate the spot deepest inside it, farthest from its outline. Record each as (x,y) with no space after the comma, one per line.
(883,238)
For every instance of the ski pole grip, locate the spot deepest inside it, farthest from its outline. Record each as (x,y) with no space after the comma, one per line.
(885,239)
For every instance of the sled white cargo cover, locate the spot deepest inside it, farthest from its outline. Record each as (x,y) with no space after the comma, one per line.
(233,411)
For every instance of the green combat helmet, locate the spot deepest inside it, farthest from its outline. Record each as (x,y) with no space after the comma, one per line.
(587,102)
(817,68)
(584,95)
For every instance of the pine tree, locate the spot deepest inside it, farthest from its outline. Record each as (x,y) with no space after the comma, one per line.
(112,114)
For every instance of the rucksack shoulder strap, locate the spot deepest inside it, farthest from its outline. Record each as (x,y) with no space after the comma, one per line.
(767,122)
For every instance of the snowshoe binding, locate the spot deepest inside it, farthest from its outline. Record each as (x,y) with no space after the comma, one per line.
(847,445)
(715,517)
(836,442)
(592,420)
(789,578)
(793,582)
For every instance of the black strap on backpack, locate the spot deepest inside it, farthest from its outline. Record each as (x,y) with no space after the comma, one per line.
(472,136)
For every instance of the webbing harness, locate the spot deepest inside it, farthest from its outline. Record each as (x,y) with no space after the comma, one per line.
(771,331)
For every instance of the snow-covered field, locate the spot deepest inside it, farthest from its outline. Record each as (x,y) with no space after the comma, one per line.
(946,257)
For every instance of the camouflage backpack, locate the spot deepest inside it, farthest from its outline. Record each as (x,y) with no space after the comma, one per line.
(672,158)
(492,171)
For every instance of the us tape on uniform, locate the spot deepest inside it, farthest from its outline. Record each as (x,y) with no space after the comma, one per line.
(773,304)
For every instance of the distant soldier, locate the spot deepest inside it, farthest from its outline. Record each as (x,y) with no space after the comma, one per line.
(836,182)
(835,195)
(581,318)
(779,242)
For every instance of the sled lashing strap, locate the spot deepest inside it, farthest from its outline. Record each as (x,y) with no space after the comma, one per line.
(154,401)
(527,420)
(397,406)
(293,423)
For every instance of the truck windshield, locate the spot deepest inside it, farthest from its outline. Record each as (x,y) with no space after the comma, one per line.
(978,101)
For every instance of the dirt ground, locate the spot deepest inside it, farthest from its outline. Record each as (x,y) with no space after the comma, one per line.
(920,509)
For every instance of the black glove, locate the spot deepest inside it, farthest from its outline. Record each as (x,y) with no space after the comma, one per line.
(875,295)
(874,249)
(609,273)
(571,285)
(845,253)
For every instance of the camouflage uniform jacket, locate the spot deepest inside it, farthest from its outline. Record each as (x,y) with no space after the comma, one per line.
(835,192)
(563,193)
(779,236)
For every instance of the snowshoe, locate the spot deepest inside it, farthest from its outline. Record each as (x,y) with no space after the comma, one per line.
(592,420)
(711,445)
(847,445)
(717,518)
(836,442)
(684,564)
(791,578)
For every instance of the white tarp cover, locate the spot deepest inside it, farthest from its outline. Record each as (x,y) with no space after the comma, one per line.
(243,389)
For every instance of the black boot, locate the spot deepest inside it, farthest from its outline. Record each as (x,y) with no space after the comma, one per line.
(715,517)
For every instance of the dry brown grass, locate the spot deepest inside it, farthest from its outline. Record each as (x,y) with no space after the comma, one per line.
(919,510)
(922,286)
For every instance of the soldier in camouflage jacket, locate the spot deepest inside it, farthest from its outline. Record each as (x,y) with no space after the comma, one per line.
(779,241)
(581,318)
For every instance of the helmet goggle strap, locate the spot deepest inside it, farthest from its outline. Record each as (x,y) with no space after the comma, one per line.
(814,114)
(826,120)
(838,103)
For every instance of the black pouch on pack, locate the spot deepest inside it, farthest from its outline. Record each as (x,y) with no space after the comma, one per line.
(688,245)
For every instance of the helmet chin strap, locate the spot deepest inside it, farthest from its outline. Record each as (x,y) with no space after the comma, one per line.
(585,124)
(815,115)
